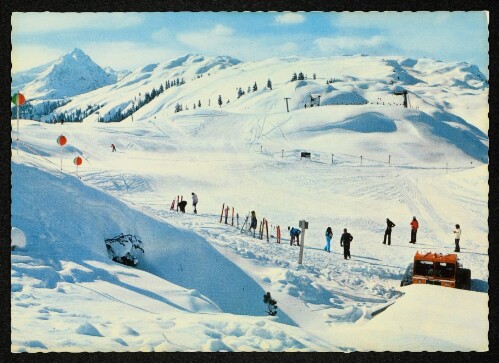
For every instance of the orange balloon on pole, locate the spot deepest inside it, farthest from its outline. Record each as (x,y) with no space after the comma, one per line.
(61,140)
(77,161)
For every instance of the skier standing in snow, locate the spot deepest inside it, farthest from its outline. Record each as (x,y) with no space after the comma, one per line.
(457,237)
(113,148)
(345,240)
(388,231)
(194,202)
(329,236)
(294,234)
(414,229)
(254,222)
(182,205)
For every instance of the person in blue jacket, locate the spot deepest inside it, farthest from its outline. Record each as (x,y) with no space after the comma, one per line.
(295,234)
(329,236)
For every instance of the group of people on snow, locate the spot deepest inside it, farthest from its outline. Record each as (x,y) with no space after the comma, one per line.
(183,203)
(346,238)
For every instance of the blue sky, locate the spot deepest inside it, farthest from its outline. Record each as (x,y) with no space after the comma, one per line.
(131,40)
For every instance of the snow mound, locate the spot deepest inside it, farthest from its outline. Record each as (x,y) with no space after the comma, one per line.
(428,301)
(364,123)
(343,98)
(88,329)
(18,238)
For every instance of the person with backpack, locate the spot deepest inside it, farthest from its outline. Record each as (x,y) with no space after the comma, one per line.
(254,222)
(457,237)
(194,202)
(345,240)
(294,233)
(414,229)
(329,236)
(388,231)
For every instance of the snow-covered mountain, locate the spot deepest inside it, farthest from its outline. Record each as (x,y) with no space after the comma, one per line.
(72,74)
(356,93)
(119,74)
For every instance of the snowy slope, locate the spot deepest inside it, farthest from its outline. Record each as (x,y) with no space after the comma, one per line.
(70,75)
(196,266)
(360,99)
(201,282)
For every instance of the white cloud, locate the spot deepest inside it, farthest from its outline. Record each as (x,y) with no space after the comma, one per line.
(127,55)
(222,30)
(164,34)
(288,48)
(343,45)
(29,56)
(290,18)
(213,40)
(49,22)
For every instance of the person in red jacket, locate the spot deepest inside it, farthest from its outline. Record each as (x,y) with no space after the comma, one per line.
(414,229)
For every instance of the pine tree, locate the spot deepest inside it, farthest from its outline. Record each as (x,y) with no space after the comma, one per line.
(269,84)
(301,77)
(271,304)
(315,76)
(199,103)
(295,77)
(249,89)
(220,100)
(240,92)
(255,87)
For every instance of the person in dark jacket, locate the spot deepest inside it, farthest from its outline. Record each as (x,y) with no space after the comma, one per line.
(254,222)
(388,231)
(294,233)
(414,229)
(182,205)
(457,237)
(345,240)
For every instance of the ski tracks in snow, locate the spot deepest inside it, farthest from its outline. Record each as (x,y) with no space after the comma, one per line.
(420,207)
